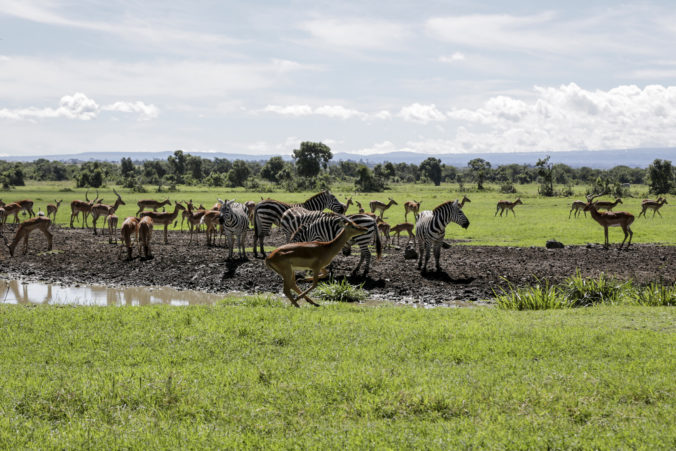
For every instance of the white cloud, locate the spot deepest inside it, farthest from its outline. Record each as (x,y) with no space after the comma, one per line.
(421,114)
(79,106)
(289,110)
(357,33)
(455,57)
(331,111)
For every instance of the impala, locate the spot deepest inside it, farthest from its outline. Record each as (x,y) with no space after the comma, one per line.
(78,206)
(361,209)
(376,205)
(194,218)
(578,206)
(145,204)
(2,217)
(250,208)
(464,199)
(607,205)
(112,227)
(312,255)
(129,228)
(105,210)
(384,228)
(652,205)
(164,218)
(41,223)
(27,206)
(403,227)
(411,206)
(612,219)
(507,205)
(145,233)
(52,209)
(12,209)
(210,220)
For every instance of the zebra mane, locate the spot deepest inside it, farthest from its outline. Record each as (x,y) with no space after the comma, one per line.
(445,205)
(322,193)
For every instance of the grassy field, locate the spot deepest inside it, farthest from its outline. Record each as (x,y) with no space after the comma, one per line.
(263,375)
(537,221)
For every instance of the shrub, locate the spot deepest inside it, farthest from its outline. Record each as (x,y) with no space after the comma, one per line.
(583,292)
(538,297)
(340,292)
(657,295)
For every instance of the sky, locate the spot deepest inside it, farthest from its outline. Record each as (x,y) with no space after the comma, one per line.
(259,77)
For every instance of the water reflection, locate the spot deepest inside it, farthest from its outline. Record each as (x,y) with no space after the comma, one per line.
(17,292)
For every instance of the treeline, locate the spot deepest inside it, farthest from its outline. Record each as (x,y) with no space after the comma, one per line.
(312,169)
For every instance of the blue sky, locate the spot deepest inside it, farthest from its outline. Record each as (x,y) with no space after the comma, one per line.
(260,77)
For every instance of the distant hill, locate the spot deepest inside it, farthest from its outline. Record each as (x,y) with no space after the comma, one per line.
(598,159)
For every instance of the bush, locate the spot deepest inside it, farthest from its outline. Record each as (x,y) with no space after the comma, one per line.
(507,188)
(583,292)
(538,297)
(340,292)
(655,295)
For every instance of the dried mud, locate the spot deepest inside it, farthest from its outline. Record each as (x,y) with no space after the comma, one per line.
(469,273)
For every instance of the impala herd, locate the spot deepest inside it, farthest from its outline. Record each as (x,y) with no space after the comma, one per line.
(314,237)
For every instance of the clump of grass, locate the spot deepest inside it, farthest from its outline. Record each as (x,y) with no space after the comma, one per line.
(340,292)
(656,295)
(583,292)
(538,297)
(259,300)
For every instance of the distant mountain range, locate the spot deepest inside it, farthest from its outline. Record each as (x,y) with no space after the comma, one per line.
(598,159)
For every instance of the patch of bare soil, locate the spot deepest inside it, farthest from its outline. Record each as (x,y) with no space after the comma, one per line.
(470,273)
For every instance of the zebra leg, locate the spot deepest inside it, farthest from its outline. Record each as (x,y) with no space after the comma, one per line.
(437,254)
(421,248)
(231,242)
(427,256)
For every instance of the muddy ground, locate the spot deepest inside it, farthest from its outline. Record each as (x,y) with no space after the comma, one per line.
(470,273)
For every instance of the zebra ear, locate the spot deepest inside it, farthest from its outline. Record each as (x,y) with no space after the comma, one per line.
(220,201)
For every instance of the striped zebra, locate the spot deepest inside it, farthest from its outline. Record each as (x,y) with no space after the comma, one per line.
(269,212)
(431,228)
(295,217)
(235,222)
(327,227)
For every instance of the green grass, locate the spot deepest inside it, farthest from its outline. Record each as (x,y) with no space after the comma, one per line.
(242,375)
(537,221)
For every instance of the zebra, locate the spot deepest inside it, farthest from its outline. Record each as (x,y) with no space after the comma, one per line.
(235,222)
(327,227)
(295,217)
(431,228)
(269,212)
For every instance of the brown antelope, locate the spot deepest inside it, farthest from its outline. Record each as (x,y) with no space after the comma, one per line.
(164,218)
(27,206)
(607,205)
(84,207)
(250,208)
(376,205)
(464,199)
(313,255)
(145,233)
(145,204)
(403,227)
(129,228)
(507,205)
(361,209)
(52,209)
(41,223)
(112,227)
(194,218)
(105,210)
(186,212)
(210,220)
(612,219)
(578,206)
(12,209)
(384,228)
(653,205)
(411,206)
(2,217)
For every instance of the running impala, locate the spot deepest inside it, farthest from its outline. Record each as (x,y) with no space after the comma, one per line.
(313,255)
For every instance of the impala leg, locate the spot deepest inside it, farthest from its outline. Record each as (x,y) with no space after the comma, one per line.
(289,282)
(166,226)
(25,243)
(607,243)
(315,280)
(49,237)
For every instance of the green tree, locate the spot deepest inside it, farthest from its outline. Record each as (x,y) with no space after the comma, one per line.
(239,173)
(194,167)
(431,168)
(177,163)
(311,158)
(545,172)
(480,169)
(368,183)
(272,168)
(127,168)
(661,176)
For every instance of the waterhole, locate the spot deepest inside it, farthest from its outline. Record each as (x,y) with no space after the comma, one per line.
(33,293)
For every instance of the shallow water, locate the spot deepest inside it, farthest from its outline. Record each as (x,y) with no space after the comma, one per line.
(33,293)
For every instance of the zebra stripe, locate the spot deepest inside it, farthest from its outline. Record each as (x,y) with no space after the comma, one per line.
(327,227)
(235,222)
(431,228)
(269,212)
(295,217)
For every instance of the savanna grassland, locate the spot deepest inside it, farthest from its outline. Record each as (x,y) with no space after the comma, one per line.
(253,373)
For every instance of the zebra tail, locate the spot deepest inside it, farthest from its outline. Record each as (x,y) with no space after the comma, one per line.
(379,246)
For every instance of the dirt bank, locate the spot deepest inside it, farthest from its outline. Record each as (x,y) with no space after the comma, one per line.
(470,273)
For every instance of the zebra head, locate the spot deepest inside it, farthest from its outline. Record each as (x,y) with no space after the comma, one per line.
(334,204)
(451,211)
(225,210)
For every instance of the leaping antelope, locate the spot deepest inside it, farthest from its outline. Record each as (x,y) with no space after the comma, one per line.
(52,209)
(376,205)
(411,206)
(145,204)
(577,206)
(507,205)
(653,205)
(312,255)
(612,219)
(41,223)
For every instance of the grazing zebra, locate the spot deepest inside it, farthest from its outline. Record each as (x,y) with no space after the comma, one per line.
(327,227)
(269,212)
(431,228)
(234,219)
